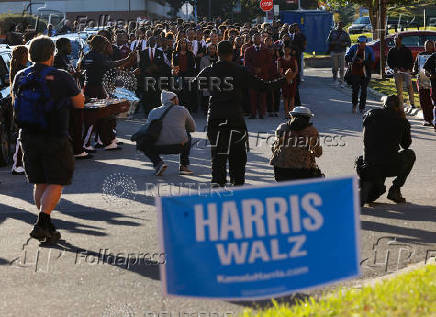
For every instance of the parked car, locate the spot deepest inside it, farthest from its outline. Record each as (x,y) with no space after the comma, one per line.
(361,25)
(414,40)
(78,44)
(6,112)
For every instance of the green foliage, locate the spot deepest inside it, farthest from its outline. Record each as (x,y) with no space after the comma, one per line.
(9,19)
(410,294)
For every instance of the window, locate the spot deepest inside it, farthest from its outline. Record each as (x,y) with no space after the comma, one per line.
(411,41)
(6,60)
(4,64)
(362,20)
(430,37)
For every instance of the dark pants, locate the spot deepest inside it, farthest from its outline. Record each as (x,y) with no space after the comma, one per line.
(228,145)
(246,104)
(276,106)
(273,100)
(257,102)
(399,167)
(152,151)
(359,83)
(288,174)
(76,130)
(426,104)
(103,128)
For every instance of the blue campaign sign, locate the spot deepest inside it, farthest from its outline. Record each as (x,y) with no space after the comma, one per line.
(260,242)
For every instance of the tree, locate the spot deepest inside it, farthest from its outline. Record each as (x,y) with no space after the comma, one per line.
(377,14)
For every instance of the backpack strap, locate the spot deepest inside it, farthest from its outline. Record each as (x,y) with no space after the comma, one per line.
(165,112)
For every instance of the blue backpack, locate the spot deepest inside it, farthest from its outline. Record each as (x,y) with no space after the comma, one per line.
(33,102)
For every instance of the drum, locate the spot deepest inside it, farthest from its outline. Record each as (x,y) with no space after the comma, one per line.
(104,108)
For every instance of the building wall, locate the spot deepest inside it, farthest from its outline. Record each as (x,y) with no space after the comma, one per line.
(94,8)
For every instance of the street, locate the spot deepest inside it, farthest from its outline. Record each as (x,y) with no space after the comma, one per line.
(107,263)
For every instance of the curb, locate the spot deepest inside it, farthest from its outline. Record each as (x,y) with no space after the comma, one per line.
(412,112)
(373,281)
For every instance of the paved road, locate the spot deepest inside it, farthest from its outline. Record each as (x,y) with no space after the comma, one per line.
(70,280)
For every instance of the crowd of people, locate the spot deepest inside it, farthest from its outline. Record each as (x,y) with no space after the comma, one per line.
(264,63)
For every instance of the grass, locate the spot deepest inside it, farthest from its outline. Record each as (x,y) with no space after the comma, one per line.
(387,87)
(409,294)
(317,55)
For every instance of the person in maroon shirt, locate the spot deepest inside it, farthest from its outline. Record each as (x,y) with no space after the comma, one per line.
(257,60)
(183,63)
(289,61)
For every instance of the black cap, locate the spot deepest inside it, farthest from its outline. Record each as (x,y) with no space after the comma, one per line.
(225,48)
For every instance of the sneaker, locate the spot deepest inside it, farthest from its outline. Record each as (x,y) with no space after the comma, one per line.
(395,195)
(83,156)
(160,169)
(112,147)
(342,85)
(45,232)
(89,149)
(184,170)
(270,114)
(427,124)
(18,171)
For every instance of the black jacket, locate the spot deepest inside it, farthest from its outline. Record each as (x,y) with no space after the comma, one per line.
(225,102)
(190,64)
(154,68)
(400,57)
(430,64)
(383,134)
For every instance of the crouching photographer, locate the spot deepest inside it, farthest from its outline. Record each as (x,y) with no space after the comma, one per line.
(296,147)
(385,131)
(167,131)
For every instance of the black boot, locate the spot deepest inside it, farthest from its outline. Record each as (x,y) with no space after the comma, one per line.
(395,195)
(365,189)
(44,230)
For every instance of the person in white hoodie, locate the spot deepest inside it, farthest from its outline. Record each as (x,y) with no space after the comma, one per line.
(175,135)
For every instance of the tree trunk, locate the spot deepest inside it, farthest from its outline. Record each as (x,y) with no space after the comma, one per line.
(373,18)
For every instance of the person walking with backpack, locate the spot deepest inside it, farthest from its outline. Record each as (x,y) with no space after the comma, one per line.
(338,41)
(361,58)
(47,150)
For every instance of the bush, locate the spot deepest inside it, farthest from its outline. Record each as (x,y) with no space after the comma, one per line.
(28,21)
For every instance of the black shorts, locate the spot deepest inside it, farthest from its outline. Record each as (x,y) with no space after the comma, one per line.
(47,159)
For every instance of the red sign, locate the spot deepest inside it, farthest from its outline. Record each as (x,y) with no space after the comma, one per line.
(266,5)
